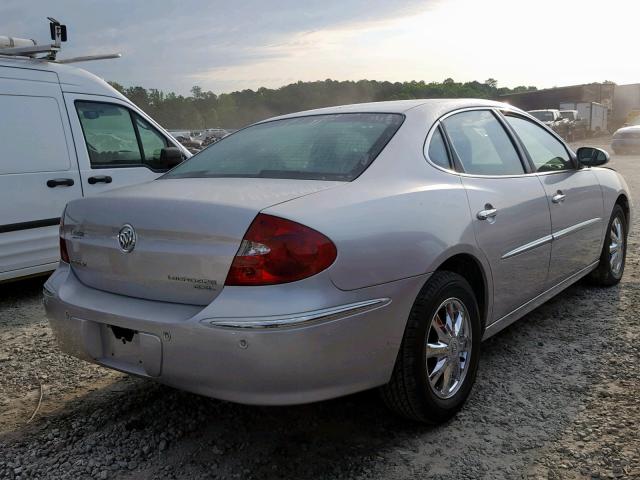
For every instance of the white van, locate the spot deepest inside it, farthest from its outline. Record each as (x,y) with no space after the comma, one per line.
(64,134)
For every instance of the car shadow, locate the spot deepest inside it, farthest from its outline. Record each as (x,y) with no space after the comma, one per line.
(18,290)
(15,296)
(144,430)
(161,429)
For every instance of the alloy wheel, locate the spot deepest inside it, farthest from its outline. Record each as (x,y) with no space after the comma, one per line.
(448,348)
(616,247)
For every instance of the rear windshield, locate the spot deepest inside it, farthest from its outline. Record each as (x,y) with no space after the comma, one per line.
(320,147)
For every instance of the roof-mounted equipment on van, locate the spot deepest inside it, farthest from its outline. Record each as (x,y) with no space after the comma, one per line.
(23,47)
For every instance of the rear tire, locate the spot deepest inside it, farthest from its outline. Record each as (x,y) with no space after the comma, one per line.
(611,267)
(417,389)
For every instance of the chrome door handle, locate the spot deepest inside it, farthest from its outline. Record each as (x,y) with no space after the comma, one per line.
(487,213)
(558,197)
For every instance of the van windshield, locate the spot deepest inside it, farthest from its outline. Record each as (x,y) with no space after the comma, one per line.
(319,147)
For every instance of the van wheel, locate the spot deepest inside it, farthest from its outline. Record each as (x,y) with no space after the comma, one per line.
(438,357)
(614,251)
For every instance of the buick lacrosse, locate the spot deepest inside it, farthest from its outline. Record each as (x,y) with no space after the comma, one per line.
(327,252)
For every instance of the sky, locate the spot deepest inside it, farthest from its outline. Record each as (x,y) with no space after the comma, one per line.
(228,46)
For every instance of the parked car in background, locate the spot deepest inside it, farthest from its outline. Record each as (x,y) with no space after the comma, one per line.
(65,134)
(554,120)
(212,135)
(190,143)
(626,140)
(577,126)
(195,141)
(547,116)
(326,252)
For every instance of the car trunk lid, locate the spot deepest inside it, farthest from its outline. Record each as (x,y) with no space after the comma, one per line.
(187,232)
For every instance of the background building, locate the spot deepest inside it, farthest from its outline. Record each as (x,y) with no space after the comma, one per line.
(620,100)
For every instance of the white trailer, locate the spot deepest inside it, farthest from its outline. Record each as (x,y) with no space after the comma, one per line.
(594,113)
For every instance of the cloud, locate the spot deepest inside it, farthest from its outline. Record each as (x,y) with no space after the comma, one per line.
(167,43)
(225,46)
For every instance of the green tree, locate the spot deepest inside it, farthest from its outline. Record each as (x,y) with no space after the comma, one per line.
(117,86)
(491,82)
(205,109)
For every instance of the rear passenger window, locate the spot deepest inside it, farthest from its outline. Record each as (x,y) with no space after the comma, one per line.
(547,152)
(438,151)
(114,140)
(482,145)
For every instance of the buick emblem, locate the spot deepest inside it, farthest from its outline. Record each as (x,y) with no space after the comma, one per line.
(127,238)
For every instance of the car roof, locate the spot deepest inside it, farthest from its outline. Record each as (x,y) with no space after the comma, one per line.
(399,106)
(72,79)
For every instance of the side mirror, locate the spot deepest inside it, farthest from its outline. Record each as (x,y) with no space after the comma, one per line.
(592,156)
(170,157)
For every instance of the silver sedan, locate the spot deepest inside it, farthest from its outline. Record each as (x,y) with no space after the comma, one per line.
(327,252)
(626,140)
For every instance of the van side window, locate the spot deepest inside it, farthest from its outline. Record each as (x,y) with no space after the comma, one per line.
(109,133)
(117,137)
(31,135)
(152,141)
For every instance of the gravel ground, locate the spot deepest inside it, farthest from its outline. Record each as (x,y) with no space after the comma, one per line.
(556,397)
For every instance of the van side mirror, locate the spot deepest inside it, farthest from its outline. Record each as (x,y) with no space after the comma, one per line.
(592,156)
(170,157)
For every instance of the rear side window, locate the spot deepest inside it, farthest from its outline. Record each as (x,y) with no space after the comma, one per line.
(481,144)
(117,137)
(547,152)
(438,151)
(31,135)
(320,147)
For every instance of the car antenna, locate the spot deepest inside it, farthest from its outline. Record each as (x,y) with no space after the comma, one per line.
(24,47)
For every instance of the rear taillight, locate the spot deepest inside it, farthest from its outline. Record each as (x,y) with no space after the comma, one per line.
(64,254)
(275,250)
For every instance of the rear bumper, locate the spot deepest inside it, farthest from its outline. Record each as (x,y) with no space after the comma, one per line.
(347,345)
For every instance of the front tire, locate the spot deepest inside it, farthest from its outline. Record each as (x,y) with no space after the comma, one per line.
(614,251)
(438,358)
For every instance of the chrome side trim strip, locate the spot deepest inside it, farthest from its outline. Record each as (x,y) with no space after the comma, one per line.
(549,238)
(297,319)
(529,246)
(525,308)
(575,228)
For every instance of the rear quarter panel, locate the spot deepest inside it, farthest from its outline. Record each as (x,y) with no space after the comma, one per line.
(401,218)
